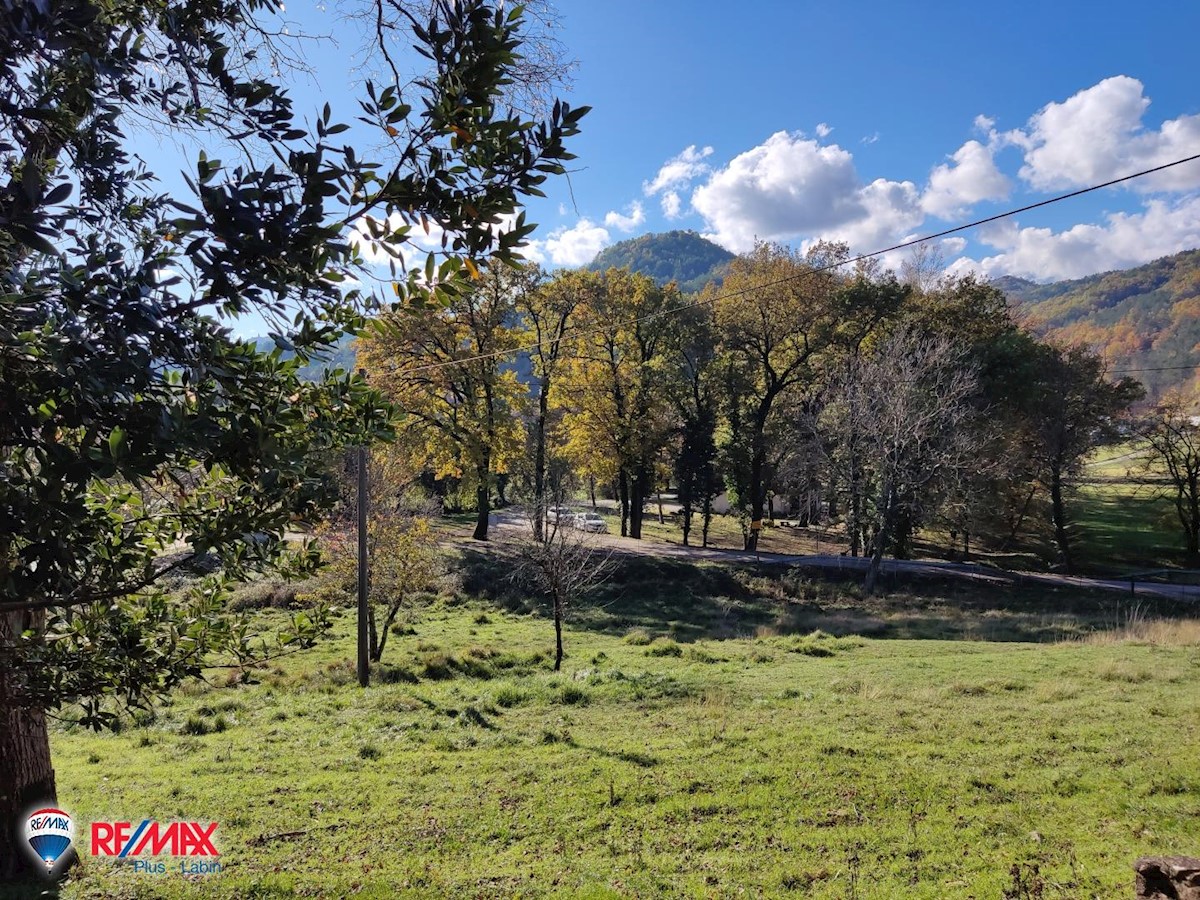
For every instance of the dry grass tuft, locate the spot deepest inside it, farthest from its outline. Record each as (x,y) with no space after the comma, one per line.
(1157,632)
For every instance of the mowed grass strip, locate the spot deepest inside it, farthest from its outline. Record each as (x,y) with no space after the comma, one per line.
(664,764)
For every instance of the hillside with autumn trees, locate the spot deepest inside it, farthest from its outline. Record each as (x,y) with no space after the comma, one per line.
(1146,319)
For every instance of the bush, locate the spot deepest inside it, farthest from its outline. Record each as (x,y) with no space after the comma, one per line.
(508,696)
(573,695)
(639,637)
(395,675)
(265,594)
(664,648)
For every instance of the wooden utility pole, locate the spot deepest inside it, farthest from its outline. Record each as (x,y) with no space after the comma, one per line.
(364,664)
(364,671)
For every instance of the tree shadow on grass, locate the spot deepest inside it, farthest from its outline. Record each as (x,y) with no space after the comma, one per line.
(649,597)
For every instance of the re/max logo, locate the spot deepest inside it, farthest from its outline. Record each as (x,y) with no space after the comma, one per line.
(121,839)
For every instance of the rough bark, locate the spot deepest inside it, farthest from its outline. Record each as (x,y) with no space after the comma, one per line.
(26,773)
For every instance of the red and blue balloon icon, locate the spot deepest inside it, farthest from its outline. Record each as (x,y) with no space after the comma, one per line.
(49,832)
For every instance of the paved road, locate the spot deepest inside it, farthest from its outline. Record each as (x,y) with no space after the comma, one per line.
(509,525)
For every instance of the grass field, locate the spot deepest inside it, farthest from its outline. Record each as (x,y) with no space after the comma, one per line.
(700,742)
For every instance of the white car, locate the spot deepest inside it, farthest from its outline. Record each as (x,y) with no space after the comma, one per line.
(559,515)
(589,521)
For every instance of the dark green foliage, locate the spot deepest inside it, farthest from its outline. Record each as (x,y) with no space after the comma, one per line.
(680,256)
(132,421)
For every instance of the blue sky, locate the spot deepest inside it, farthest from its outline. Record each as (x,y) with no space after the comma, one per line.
(865,122)
(856,121)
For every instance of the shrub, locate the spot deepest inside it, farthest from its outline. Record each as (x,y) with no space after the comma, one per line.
(573,695)
(639,637)
(508,696)
(265,594)
(196,725)
(664,648)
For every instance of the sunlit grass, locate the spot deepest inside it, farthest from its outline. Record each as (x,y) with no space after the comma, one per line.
(703,740)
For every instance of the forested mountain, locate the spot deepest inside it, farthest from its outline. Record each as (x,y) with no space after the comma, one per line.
(681,256)
(342,358)
(1146,318)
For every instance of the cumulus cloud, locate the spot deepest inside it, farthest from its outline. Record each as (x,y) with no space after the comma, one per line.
(1124,240)
(679,171)
(970,177)
(627,222)
(793,187)
(891,209)
(786,186)
(574,246)
(1098,134)
(823,130)
(671,205)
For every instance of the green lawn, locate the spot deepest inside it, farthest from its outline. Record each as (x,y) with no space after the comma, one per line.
(697,744)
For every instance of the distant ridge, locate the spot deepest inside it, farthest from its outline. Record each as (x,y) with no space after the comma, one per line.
(1143,318)
(681,256)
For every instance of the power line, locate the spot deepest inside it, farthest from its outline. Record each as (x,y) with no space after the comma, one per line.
(573,333)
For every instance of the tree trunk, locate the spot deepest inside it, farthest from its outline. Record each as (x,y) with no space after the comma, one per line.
(539,464)
(377,649)
(1059,513)
(757,498)
(592,489)
(374,645)
(706,521)
(636,501)
(881,540)
(558,624)
(482,502)
(623,497)
(1192,529)
(685,512)
(26,774)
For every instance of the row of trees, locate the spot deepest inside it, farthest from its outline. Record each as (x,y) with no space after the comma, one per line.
(842,395)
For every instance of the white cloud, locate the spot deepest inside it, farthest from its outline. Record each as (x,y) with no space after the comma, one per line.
(671,205)
(792,187)
(972,177)
(632,220)
(1124,240)
(984,124)
(823,130)
(784,187)
(891,209)
(679,171)
(870,138)
(574,246)
(1098,134)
